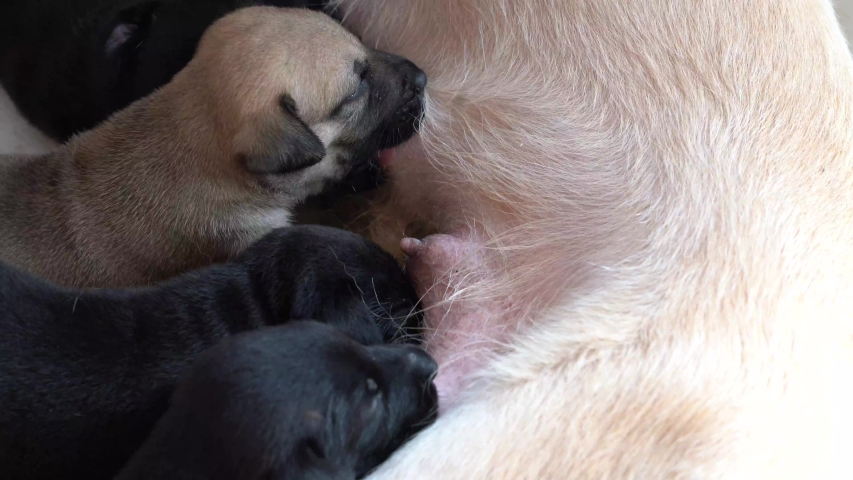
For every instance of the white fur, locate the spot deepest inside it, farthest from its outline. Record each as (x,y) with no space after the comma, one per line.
(327,132)
(665,191)
(17,136)
(252,224)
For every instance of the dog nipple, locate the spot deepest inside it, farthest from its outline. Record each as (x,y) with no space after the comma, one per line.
(411,246)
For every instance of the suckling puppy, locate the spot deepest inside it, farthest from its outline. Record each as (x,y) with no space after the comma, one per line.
(69,64)
(295,402)
(85,374)
(276,105)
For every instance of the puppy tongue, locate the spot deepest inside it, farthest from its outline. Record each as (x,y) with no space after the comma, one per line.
(386,157)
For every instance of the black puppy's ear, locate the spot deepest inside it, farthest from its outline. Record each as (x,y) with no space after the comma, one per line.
(119,37)
(279,142)
(129,28)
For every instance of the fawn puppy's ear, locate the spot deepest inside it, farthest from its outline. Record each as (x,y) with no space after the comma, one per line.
(279,142)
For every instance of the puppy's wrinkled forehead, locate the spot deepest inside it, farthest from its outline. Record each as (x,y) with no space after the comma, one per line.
(255,55)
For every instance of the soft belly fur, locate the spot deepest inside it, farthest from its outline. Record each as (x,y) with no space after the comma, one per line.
(647,270)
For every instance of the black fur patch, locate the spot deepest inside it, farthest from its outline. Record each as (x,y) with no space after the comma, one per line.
(84,375)
(57,65)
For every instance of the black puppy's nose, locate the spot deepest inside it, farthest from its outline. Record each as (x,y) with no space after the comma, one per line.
(421,364)
(419,79)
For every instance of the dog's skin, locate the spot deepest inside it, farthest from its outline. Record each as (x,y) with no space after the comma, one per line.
(85,374)
(276,105)
(298,402)
(646,269)
(69,64)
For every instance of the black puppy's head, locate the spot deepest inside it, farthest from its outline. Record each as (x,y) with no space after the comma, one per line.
(292,402)
(389,397)
(337,277)
(70,64)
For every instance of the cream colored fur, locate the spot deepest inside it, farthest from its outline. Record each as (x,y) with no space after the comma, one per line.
(667,193)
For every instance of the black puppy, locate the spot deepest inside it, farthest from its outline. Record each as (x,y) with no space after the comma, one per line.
(69,64)
(84,375)
(296,402)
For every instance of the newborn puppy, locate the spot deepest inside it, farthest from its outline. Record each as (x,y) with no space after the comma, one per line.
(276,105)
(84,375)
(295,402)
(68,64)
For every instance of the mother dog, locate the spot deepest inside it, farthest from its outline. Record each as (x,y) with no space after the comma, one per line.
(645,267)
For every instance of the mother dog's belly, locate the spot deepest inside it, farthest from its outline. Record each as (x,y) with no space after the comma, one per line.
(669,179)
(449,271)
(429,226)
(460,330)
(468,286)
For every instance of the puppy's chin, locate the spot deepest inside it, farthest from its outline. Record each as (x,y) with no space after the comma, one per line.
(365,172)
(362,171)
(422,417)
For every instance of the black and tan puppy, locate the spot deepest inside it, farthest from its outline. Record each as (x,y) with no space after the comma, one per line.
(296,402)
(69,64)
(276,105)
(84,375)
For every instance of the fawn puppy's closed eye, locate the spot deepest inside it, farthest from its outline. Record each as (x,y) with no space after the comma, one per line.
(276,105)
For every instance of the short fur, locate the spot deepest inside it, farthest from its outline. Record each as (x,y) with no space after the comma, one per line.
(663,189)
(85,374)
(69,64)
(276,105)
(298,402)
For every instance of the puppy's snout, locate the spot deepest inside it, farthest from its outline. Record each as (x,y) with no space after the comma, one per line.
(404,103)
(412,361)
(422,366)
(418,80)
(414,79)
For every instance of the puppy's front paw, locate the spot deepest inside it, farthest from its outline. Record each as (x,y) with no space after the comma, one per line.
(340,278)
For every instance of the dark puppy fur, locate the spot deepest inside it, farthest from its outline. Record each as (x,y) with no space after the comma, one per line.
(296,402)
(69,64)
(84,375)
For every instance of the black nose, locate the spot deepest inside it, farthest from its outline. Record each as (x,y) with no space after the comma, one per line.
(419,79)
(421,364)
(414,79)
